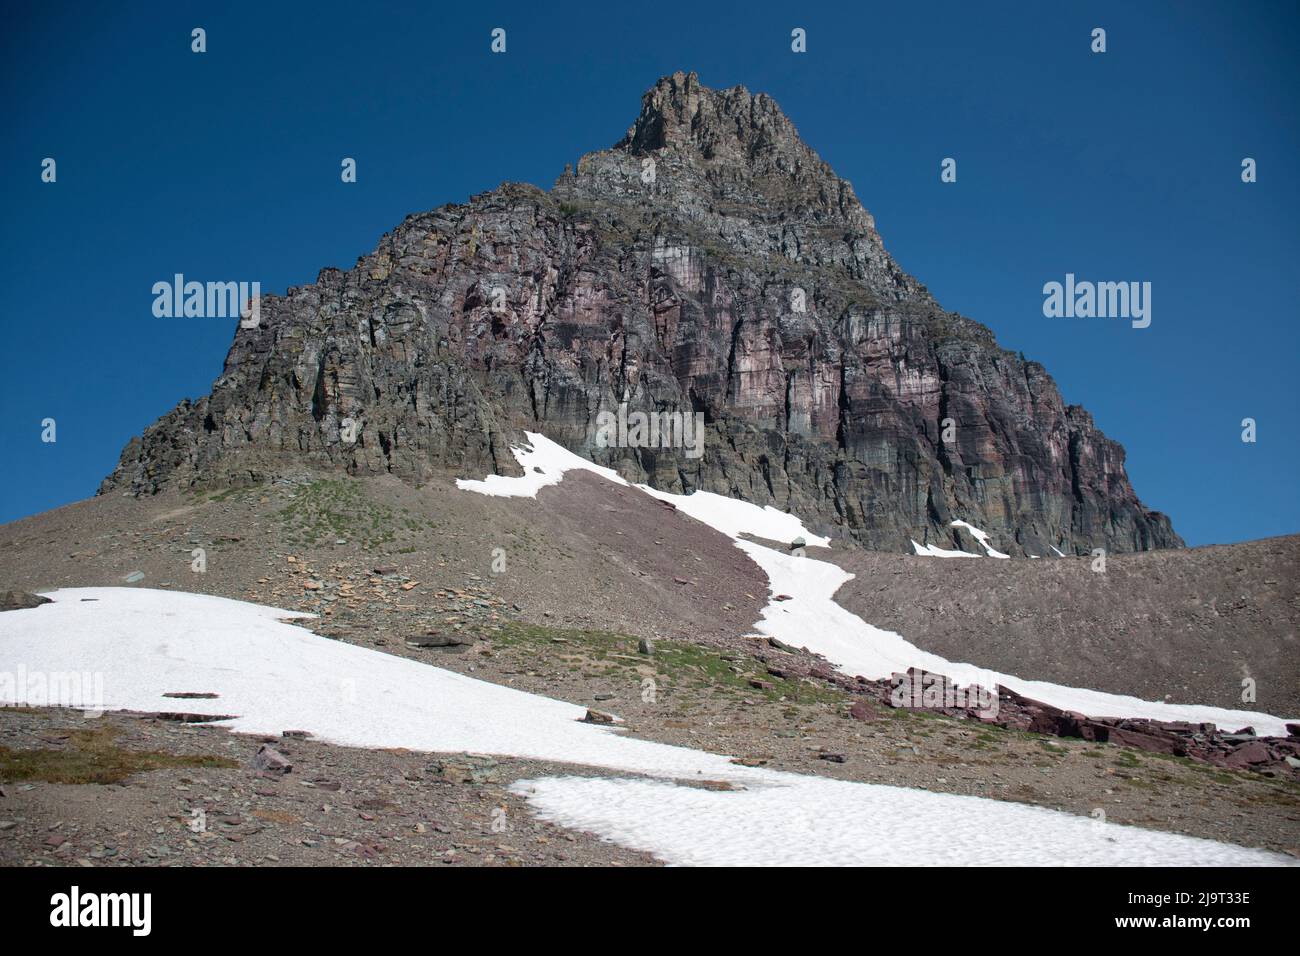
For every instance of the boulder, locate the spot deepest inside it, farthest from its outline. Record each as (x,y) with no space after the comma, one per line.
(449,639)
(1248,755)
(269,760)
(21,600)
(861,710)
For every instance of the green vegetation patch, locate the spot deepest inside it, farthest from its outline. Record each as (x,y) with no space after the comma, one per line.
(336,508)
(676,663)
(93,756)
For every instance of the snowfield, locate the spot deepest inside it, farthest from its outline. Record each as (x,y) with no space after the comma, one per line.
(275,676)
(812,619)
(811,821)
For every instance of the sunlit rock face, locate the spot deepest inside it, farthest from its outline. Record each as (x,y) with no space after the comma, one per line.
(709,262)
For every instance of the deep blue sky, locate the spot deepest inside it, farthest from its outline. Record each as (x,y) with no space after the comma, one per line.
(226,166)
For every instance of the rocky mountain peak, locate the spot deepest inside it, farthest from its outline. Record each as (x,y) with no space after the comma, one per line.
(731,126)
(731,164)
(735,136)
(708,264)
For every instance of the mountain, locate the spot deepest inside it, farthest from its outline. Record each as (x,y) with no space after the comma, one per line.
(708,263)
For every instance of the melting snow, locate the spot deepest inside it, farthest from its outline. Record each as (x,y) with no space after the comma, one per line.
(734,517)
(812,821)
(982,537)
(544,464)
(934,551)
(812,619)
(275,676)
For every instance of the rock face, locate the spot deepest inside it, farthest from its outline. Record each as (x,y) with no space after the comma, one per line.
(708,263)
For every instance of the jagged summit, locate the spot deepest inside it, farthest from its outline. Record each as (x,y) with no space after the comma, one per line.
(737,135)
(708,263)
(727,127)
(733,163)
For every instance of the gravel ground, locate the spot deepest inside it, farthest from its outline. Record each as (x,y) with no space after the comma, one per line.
(338,806)
(1189,624)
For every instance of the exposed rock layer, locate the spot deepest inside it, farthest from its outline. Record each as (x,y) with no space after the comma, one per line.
(708,263)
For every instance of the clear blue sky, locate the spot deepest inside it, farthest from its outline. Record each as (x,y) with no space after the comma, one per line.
(225,165)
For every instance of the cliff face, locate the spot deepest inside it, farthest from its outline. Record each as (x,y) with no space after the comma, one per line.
(709,262)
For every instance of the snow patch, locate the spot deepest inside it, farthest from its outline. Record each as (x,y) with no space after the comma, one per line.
(544,463)
(276,675)
(982,537)
(934,551)
(810,821)
(734,517)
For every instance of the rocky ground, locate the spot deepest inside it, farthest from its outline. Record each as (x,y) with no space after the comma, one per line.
(1187,625)
(207,805)
(552,596)
(373,556)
